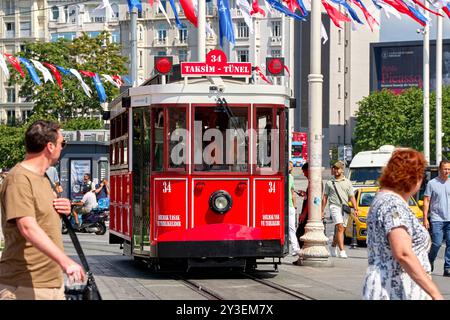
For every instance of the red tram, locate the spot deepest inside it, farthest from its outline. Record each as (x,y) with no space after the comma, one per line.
(198,173)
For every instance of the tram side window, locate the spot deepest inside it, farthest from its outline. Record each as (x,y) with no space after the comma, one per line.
(268,143)
(220,139)
(177,137)
(158,139)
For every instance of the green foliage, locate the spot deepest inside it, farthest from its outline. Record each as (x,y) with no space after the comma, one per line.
(12,149)
(386,118)
(82,124)
(97,55)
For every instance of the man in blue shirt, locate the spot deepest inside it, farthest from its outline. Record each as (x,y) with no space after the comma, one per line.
(437,202)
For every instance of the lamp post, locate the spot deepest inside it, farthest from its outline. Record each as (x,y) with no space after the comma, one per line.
(133,46)
(314,251)
(439,89)
(426,87)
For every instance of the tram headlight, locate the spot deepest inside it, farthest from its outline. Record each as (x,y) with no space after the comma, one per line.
(220,201)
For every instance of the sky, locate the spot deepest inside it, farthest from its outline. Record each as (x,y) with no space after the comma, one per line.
(393,29)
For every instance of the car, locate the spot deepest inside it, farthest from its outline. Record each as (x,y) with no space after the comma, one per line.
(364,197)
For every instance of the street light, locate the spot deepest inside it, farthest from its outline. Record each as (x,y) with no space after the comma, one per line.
(314,251)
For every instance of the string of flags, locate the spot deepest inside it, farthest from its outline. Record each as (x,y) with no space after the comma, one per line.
(48,69)
(296,9)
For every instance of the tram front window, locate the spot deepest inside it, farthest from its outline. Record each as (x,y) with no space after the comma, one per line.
(220,139)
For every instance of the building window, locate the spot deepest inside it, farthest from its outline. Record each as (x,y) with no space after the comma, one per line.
(164,5)
(141,33)
(339,91)
(339,64)
(9,7)
(182,55)
(339,37)
(141,58)
(25,29)
(183,34)
(10,29)
(276,28)
(11,117)
(275,53)
(209,8)
(162,36)
(242,55)
(115,37)
(26,114)
(161,53)
(55,13)
(11,94)
(242,30)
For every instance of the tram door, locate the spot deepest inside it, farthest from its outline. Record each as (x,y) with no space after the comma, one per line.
(141,180)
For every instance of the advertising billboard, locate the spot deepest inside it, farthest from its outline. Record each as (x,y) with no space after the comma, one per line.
(398,66)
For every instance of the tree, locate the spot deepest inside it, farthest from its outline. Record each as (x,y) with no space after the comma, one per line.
(96,55)
(386,118)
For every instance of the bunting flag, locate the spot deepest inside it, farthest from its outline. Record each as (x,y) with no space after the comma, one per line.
(245,9)
(45,73)
(189,12)
(426,9)
(63,70)
(279,7)
(119,81)
(349,9)
(323,33)
(33,75)
(401,7)
(161,8)
(369,18)
(175,13)
(387,9)
(97,83)
(302,8)
(261,74)
(287,70)
(105,5)
(447,10)
(85,87)
(335,15)
(134,3)
(257,9)
(150,2)
(225,23)
(269,7)
(108,78)
(15,63)
(209,30)
(417,15)
(55,72)
(4,66)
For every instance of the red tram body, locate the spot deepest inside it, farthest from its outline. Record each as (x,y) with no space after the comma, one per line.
(198,212)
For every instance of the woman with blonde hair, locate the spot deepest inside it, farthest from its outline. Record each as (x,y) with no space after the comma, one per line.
(397,242)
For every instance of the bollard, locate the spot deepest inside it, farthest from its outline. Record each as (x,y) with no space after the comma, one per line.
(354,242)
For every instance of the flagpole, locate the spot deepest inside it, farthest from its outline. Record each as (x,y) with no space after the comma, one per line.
(426,86)
(201,30)
(439,89)
(314,251)
(133,46)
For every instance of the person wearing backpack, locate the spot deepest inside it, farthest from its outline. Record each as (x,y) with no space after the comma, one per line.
(337,193)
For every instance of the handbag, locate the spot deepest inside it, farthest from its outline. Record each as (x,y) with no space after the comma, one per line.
(345,208)
(88,291)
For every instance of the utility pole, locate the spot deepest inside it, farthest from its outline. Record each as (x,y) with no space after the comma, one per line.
(439,89)
(133,46)
(426,87)
(314,251)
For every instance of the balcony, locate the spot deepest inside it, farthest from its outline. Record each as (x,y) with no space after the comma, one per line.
(160,42)
(276,41)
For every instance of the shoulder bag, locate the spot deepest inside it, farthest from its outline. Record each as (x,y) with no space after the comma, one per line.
(345,208)
(89,291)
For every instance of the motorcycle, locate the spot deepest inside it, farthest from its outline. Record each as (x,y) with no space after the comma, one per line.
(93,222)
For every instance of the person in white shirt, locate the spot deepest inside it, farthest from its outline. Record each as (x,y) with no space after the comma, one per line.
(85,205)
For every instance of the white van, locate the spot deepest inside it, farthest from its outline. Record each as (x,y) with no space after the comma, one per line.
(365,167)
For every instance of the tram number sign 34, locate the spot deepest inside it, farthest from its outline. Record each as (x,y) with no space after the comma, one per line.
(216,64)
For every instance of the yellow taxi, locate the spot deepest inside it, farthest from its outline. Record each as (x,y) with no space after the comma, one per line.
(364,197)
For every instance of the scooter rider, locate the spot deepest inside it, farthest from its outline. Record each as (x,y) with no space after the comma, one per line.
(85,205)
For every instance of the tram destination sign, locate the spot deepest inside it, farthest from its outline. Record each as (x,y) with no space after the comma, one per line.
(216,65)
